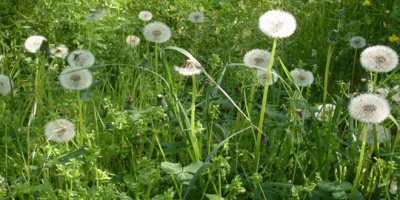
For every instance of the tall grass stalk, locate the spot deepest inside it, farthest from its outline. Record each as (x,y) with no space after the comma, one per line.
(360,161)
(264,103)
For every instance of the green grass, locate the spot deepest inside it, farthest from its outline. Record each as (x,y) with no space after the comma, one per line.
(202,140)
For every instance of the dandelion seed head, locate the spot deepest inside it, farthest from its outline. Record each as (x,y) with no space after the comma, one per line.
(76,78)
(60,130)
(32,44)
(382,134)
(60,51)
(196,17)
(157,32)
(277,24)
(257,57)
(81,58)
(302,77)
(188,69)
(262,77)
(325,115)
(145,16)
(369,108)
(133,40)
(357,42)
(303,114)
(396,98)
(5,86)
(95,14)
(379,59)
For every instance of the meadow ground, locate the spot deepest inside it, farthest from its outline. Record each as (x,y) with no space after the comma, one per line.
(214,100)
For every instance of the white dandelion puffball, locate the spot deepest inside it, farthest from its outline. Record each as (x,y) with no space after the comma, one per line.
(133,40)
(32,44)
(262,77)
(277,24)
(189,69)
(81,58)
(61,51)
(76,78)
(196,17)
(257,57)
(95,14)
(357,42)
(302,77)
(396,98)
(379,59)
(60,130)
(325,115)
(369,108)
(157,32)
(145,16)
(382,134)
(303,114)
(5,86)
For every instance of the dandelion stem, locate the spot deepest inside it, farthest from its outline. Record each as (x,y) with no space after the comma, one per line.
(192,120)
(352,74)
(264,103)
(328,61)
(359,168)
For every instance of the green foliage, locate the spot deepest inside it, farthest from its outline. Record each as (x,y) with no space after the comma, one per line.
(132,144)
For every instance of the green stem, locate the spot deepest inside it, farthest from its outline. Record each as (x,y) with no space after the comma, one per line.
(352,74)
(264,103)
(192,121)
(328,61)
(359,168)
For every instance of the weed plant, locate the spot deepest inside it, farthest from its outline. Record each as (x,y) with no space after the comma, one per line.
(142,130)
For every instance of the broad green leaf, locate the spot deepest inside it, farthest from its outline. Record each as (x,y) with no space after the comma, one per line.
(128,178)
(184,178)
(327,186)
(86,94)
(358,196)
(171,168)
(345,186)
(193,167)
(213,197)
(39,188)
(339,195)
(144,179)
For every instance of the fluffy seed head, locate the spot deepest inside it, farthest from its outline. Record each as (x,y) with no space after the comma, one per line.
(262,77)
(396,98)
(188,69)
(357,42)
(76,78)
(60,130)
(133,40)
(145,16)
(61,51)
(324,115)
(302,77)
(369,108)
(277,24)
(157,32)
(81,58)
(95,14)
(382,134)
(257,57)
(303,114)
(196,17)
(32,44)
(5,86)
(379,59)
